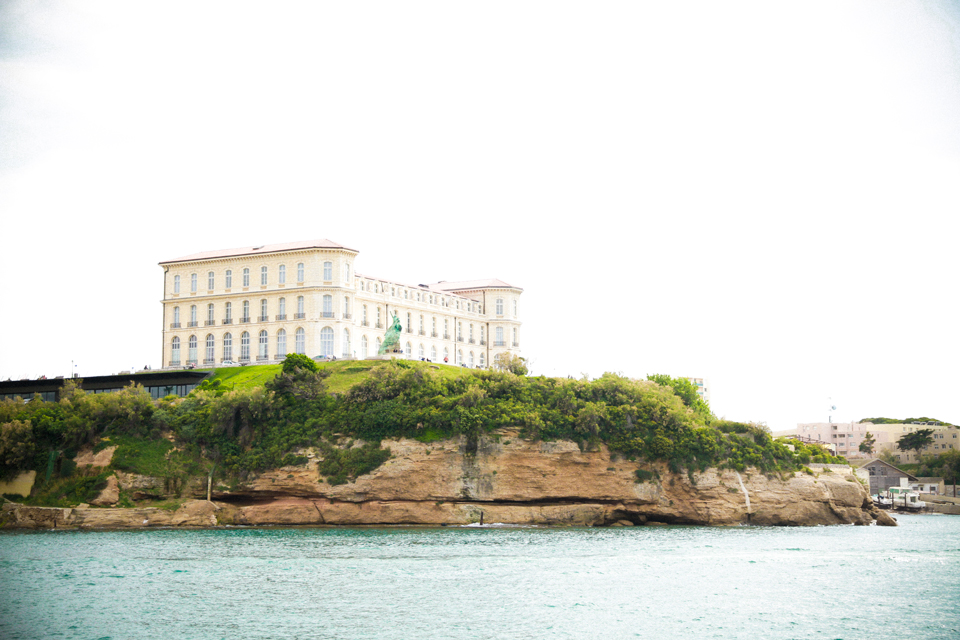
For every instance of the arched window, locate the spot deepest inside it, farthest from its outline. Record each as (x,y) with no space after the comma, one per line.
(209,357)
(459,356)
(210,280)
(210,320)
(176,284)
(346,343)
(299,272)
(192,350)
(246,311)
(282,309)
(363,347)
(193,283)
(482,359)
(281,343)
(228,313)
(175,351)
(244,347)
(300,308)
(246,277)
(263,276)
(420,352)
(327,305)
(264,346)
(470,360)
(446,354)
(433,354)
(408,350)
(176,318)
(227,346)
(282,274)
(346,307)
(328,271)
(263,310)
(228,278)
(326,342)
(301,341)
(379,344)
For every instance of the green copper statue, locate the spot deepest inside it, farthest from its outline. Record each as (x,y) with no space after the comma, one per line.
(392,337)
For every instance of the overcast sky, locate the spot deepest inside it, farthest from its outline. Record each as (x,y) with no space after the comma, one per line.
(762,194)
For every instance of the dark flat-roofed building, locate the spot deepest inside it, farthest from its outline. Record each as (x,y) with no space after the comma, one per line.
(159,383)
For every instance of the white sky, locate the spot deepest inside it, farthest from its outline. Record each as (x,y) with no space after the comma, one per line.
(763,194)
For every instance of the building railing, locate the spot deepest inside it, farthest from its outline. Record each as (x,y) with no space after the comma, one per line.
(299,316)
(516,344)
(281,316)
(174,363)
(471,341)
(364,324)
(422,332)
(379,325)
(174,325)
(346,316)
(483,342)
(446,336)
(262,358)
(264,318)
(245,320)
(326,314)
(499,343)
(193,323)
(210,323)
(433,334)
(227,321)
(209,361)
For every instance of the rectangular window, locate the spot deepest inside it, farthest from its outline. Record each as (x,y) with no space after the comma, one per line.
(193,283)
(263,276)
(246,277)
(282,275)
(228,279)
(300,273)
(176,284)
(328,271)
(210,281)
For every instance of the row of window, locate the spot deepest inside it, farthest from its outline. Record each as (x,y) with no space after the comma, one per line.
(263,341)
(264,277)
(327,312)
(464,305)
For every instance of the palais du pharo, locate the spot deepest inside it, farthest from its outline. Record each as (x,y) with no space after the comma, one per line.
(257,304)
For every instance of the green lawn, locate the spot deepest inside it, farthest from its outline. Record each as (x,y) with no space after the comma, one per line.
(344,374)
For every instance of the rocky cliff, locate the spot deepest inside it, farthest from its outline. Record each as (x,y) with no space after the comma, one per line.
(500,478)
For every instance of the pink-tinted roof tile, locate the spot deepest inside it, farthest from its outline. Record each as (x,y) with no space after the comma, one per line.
(261,249)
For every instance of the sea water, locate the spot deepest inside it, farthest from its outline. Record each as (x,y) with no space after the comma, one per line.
(490,582)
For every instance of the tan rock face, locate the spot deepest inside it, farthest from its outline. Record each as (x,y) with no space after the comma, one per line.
(513,481)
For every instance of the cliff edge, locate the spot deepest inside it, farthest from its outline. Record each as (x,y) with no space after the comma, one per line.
(500,478)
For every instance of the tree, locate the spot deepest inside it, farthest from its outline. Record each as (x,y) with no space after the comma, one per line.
(915,440)
(866,446)
(509,362)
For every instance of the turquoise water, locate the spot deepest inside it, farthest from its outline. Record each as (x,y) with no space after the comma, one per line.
(491,582)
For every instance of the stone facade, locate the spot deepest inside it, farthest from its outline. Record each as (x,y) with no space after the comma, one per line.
(847,436)
(256,304)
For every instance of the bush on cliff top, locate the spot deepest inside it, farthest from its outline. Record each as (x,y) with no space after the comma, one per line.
(250,429)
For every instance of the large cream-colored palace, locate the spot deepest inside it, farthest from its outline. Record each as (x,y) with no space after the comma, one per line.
(257,304)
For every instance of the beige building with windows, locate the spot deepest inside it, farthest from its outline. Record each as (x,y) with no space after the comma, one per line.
(257,304)
(847,437)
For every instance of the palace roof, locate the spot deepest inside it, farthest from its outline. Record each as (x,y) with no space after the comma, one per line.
(260,249)
(466,285)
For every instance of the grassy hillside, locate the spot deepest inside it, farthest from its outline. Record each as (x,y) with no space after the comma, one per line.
(247,419)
